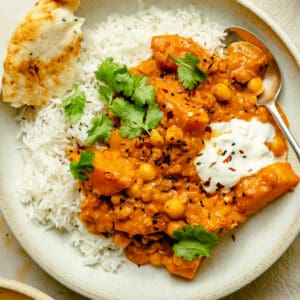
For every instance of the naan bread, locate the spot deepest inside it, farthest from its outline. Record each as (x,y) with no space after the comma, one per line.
(42,54)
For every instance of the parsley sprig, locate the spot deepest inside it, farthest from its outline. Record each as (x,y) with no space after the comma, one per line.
(193,242)
(79,169)
(188,72)
(128,98)
(74,105)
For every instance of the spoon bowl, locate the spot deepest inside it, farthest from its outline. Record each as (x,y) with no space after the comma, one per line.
(272,79)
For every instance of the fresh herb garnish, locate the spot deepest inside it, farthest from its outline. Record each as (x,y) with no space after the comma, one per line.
(101,129)
(105,95)
(115,76)
(153,116)
(193,242)
(74,105)
(83,166)
(143,93)
(188,72)
(128,97)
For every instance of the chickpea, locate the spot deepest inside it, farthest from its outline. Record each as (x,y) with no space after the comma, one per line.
(134,191)
(147,196)
(277,146)
(122,212)
(222,92)
(177,261)
(116,199)
(156,153)
(174,225)
(255,86)
(148,221)
(174,134)
(156,259)
(162,197)
(176,169)
(174,208)
(156,139)
(121,240)
(147,171)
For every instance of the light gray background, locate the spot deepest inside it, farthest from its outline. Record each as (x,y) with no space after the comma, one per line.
(281,281)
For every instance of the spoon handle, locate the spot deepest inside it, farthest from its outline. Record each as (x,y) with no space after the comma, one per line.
(276,115)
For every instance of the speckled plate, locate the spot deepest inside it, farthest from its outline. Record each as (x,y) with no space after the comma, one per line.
(259,242)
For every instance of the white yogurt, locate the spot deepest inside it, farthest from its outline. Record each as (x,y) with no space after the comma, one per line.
(236,149)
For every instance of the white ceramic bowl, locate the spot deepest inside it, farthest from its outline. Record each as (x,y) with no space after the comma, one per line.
(16,290)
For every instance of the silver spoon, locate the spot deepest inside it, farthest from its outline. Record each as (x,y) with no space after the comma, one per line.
(271,80)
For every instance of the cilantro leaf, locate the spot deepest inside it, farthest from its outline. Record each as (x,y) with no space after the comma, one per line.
(101,129)
(127,111)
(194,242)
(131,130)
(153,116)
(83,166)
(123,82)
(143,94)
(132,115)
(107,70)
(74,105)
(117,77)
(128,97)
(188,72)
(105,94)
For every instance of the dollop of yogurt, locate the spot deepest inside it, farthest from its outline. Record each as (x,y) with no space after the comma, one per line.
(236,149)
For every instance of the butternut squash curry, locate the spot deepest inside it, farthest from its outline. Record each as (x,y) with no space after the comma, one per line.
(139,175)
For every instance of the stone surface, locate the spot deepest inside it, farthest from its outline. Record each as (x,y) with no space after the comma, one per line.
(281,281)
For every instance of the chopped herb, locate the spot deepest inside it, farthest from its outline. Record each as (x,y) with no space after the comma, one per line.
(74,105)
(224,152)
(227,159)
(219,185)
(194,242)
(131,114)
(108,72)
(143,94)
(153,116)
(188,72)
(129,98)
(101,129)
(83,166)
(105,94)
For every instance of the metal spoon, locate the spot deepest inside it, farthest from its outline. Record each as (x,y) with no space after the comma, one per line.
(271,80)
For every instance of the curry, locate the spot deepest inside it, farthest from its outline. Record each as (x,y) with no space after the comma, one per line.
(143,189)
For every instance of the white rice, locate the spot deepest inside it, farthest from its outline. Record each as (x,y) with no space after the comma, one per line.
(47,188)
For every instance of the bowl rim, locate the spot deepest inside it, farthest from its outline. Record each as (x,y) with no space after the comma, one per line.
(23,289)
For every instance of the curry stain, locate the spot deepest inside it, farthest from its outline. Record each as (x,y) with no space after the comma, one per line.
(6,236)
(7,294)
(23,271)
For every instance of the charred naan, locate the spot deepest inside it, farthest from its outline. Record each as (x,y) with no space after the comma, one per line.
(42,54)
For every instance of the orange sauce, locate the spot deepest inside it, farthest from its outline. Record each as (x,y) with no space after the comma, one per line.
(143,189)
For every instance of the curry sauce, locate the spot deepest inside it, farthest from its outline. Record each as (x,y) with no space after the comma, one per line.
(143,189)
